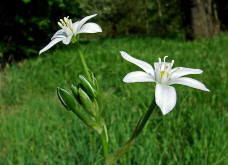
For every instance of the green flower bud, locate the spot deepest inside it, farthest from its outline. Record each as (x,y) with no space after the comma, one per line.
(75,93)
(66,99)
(86,102)
(94,81)
(89,87)
(69,103)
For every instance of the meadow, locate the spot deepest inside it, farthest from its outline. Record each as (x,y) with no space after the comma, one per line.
(36,129)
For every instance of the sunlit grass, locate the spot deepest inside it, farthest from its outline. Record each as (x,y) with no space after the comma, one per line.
(36,129)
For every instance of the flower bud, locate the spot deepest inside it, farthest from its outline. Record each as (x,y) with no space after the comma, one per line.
(86,102)
(89,87)
(66,99)
(94,80)
(69,103)
(75,93)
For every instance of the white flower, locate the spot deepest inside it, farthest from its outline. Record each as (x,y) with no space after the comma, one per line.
(70,29)
(164,76)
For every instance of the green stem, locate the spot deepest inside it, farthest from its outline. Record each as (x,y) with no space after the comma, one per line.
(85,67)
(143,120)
(114,157)
(104,140)
(103,134)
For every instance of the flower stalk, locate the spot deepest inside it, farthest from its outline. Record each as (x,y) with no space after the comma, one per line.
(142,121)
(104,133)
(84,65)
(87,93)
(114,157)
(104,141)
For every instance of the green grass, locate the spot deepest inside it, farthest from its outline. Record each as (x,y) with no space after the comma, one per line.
(36,129)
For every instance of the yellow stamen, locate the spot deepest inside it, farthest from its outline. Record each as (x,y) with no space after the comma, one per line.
(63,23)
(60,25)
(162,74)
(66,23)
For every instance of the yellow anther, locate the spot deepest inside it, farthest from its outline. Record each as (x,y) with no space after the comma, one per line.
(60,25)
(63,23)
(162,73)
(66,23)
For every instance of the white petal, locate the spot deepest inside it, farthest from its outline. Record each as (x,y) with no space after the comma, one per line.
(165,97)
(190,82)
(138,76)
(75,27)
(182,71)
(157,70)
(67,40)
(84,20)
(59,34)
(53,42)
(90,28)
(144,65)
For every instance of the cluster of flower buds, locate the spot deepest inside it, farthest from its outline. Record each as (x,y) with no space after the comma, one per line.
(87,94)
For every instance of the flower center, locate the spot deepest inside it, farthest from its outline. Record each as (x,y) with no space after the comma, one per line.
(66,25)
(162,73)
(163,70)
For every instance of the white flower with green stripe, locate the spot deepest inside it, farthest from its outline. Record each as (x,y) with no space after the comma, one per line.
(164,76)
(69,29)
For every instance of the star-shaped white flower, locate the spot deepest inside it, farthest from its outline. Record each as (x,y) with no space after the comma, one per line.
(164,76)
(70,29)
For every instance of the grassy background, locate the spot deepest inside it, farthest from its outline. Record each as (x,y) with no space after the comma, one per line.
(36,129)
